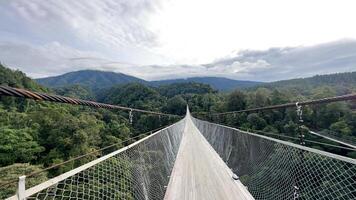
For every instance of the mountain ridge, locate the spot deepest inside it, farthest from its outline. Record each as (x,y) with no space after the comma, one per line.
(96,79)
(218,83)
(93,79)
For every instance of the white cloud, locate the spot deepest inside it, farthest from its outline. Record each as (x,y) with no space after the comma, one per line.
(108,22)
(156,39)
(200,31)
(274,64)
(49,59)
(242,67)
(117,29)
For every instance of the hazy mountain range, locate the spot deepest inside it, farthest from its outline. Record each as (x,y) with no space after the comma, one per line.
(95,79)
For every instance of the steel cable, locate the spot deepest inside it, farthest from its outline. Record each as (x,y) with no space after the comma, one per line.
(38,96)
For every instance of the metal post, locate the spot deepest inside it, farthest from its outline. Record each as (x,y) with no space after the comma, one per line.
(21,188)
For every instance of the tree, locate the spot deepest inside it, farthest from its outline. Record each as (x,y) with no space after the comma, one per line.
(256,122)
(341,127)
(175,105)
(184,88)
(75,91)
(16,170)
(278,97)
(134,95)
(17,145)
(259,98)
(236,101)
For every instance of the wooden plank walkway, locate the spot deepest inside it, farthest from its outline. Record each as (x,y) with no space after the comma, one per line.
(199,173)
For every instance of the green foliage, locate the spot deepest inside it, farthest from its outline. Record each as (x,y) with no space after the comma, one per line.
(75,91)
(48,133)
(256,122)
(236,101)
(217,83)
(184,88)
(45,134)
(270,129)
(11,172)
(175,105)
(335,117)
(342,83)
(134,95)
(259,98)
(18,145)
(17,79)
(341,127)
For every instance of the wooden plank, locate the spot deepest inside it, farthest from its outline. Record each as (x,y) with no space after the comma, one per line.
(199,173)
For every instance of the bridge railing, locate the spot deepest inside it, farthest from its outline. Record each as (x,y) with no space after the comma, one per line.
(138,171)
(275,169)
(345,140)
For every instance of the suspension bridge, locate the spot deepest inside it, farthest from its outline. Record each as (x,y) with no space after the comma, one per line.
(195,159)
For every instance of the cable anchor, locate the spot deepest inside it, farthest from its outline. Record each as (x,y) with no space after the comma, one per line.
(299,112)
(300,121)
(130,116)
(296,193)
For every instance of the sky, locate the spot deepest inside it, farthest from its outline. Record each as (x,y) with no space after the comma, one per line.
(161,39)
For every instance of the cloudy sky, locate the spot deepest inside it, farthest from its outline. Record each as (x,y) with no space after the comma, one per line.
(160,39)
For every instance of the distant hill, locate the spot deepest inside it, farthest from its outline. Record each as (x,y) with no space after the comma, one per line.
(343,82)
(92,79)
(347,78)
(95,79)
(218,83)
(16,78)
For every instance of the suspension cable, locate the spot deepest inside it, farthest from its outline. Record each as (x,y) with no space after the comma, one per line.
(296,138)
(347,97)
(337,139)
(83,155)
(38,96)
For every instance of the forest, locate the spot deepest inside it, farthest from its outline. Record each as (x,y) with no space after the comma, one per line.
(35,135)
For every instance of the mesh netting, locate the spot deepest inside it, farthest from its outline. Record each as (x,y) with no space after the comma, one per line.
(273,169)
(139,172)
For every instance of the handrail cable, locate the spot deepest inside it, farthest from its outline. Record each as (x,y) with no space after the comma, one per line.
(22,93)
(83,155)
(347,97)
(295,138)
(335,138)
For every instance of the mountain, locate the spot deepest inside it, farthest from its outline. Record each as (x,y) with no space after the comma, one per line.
(96,80)
(93,79)
(346,78)
(342,82)
(218,83)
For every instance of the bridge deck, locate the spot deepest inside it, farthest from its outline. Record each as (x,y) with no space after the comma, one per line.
(199,172)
